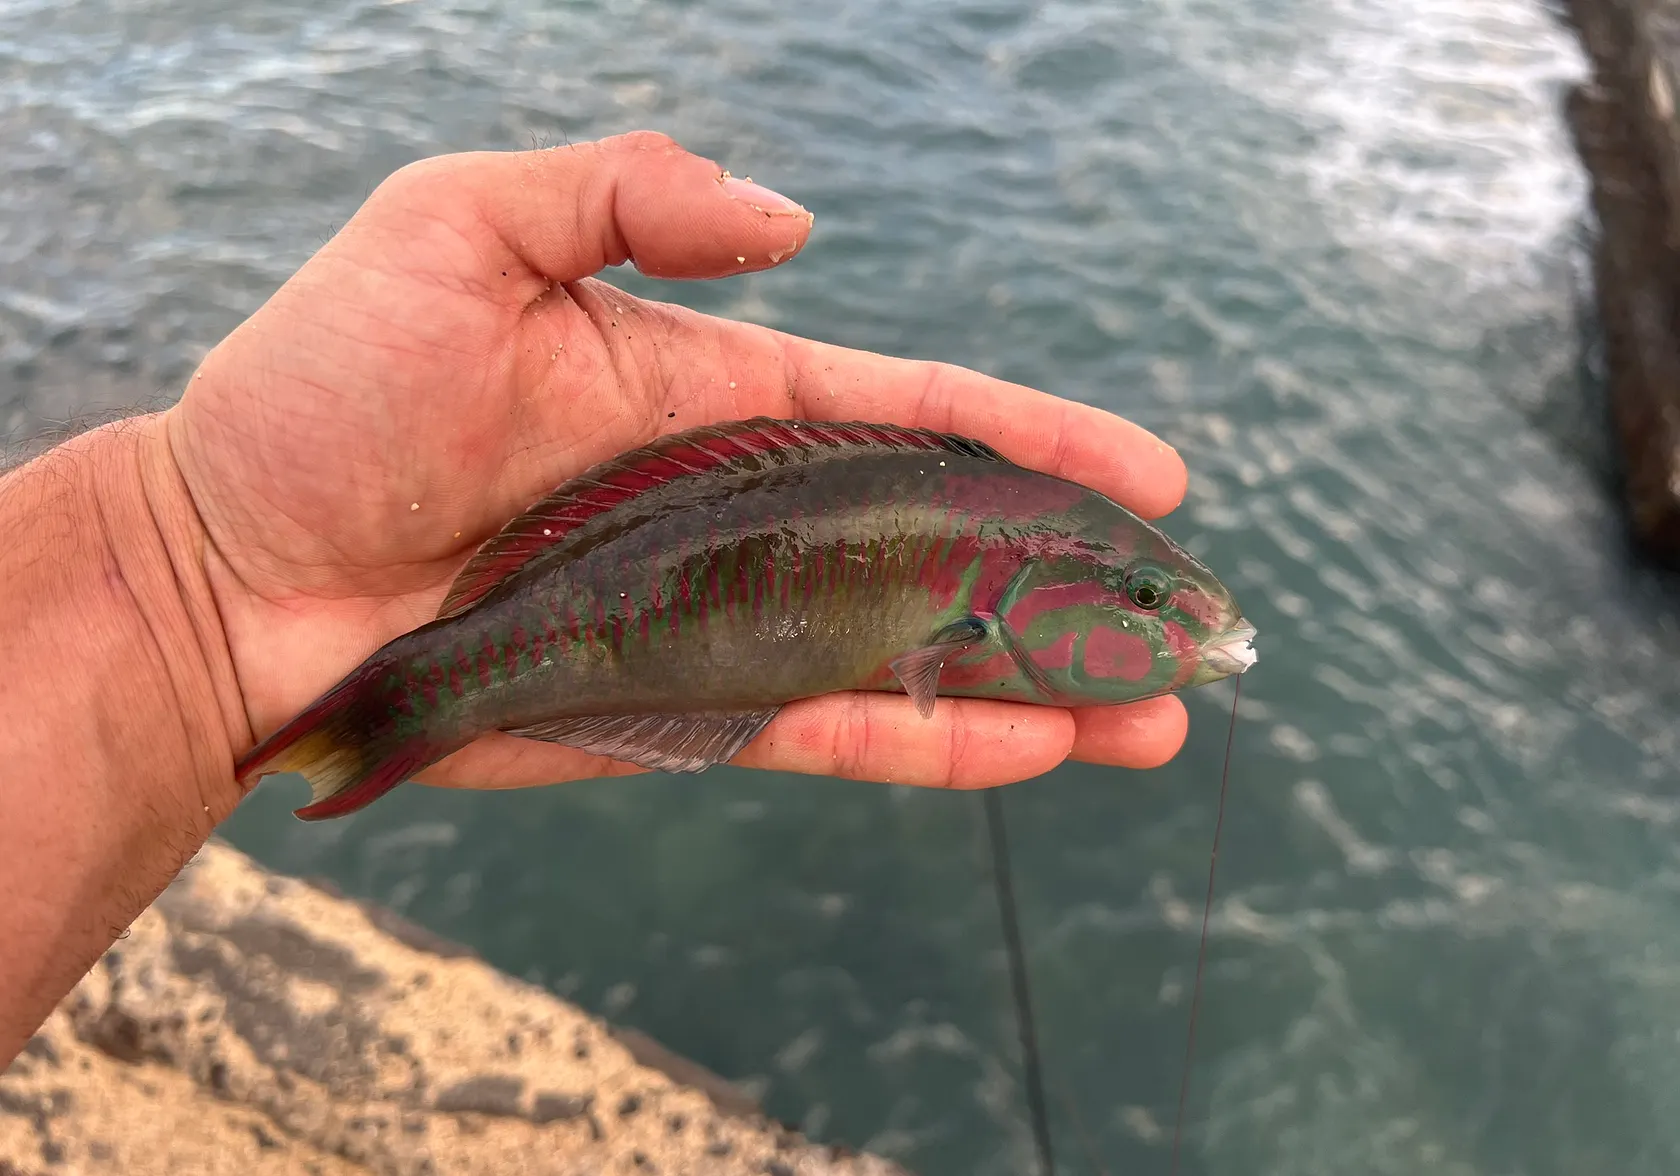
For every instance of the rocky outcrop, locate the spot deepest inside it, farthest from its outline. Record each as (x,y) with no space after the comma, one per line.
(1628,135)
(253,1024)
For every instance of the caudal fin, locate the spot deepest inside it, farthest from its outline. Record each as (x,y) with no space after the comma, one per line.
(343,746)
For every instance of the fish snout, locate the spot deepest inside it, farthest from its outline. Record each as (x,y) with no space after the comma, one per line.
(1232,651)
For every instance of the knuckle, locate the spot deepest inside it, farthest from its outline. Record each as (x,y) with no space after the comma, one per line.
(934,402)
(959,738)
(644,140)
(421,177)
(850,751)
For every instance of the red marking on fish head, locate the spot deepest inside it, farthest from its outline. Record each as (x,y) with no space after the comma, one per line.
(1112,653)
(1058,655)
(1185,648)
(1055,597)
(1179,640)
(1196,602)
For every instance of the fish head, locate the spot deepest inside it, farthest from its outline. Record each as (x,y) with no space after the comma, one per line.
(1114,622)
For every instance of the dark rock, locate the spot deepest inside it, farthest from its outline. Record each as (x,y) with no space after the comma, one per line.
(300,953)
(43,1048)
(117,1034)
(548,1107)
(1627,133)
(486,1094)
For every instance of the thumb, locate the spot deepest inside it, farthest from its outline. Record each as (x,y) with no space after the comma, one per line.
(565,213)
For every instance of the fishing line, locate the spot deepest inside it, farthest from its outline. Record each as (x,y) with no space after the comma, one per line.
(1207,914)
(1085,1141)
(1004,881)
(1005,885)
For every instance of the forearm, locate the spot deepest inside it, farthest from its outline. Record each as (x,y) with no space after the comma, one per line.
(120,709)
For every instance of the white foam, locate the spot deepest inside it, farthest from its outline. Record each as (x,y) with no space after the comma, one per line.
(1435,127)
(1451,143)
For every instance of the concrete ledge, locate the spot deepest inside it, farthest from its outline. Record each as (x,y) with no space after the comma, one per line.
(254,1024)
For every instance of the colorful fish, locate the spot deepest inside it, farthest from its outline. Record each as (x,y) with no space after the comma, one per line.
(661,607)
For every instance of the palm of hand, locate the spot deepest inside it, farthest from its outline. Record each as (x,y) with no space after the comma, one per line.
(446,359)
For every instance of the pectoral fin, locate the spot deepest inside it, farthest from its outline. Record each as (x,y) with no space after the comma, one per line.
(667,743)
(919,669)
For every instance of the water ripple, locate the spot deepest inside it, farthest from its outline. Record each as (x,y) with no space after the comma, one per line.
(1328,247)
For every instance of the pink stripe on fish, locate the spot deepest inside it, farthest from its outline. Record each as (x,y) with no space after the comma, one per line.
(1110,653)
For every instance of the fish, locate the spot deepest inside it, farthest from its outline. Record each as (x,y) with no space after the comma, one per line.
(661,607)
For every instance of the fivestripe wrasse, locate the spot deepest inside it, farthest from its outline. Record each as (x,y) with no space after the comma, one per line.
(662,606)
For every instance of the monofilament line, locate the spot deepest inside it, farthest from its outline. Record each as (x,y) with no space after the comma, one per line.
(1207,915)
(1005,884)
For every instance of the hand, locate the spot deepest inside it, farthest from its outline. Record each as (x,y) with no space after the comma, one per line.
(447,358)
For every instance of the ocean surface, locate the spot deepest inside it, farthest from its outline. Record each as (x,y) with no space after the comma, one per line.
(1333,249)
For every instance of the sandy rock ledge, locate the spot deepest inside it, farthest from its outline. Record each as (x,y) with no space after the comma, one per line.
(260,1025)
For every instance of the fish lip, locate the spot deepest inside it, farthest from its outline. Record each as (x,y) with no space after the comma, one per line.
(1232,652)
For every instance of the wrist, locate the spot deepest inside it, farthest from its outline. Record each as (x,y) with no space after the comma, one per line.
(122,708)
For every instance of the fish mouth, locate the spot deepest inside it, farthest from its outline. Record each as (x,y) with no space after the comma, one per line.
(1232,651)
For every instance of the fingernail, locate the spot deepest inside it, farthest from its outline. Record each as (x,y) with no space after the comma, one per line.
(757,195)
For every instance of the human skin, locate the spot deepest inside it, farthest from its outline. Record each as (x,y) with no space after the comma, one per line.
(176,585)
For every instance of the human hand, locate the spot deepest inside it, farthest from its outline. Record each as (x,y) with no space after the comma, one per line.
(448,358)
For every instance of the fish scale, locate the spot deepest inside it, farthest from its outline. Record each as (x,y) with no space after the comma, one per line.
(661,607)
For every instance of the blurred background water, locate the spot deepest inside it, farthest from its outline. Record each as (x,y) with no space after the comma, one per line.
(1333,249)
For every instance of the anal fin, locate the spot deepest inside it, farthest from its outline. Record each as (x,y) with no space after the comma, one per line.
(689,742)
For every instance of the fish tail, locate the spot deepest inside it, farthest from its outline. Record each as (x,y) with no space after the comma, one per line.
(330,746)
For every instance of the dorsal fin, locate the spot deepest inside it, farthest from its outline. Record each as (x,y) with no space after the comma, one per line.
(708,449)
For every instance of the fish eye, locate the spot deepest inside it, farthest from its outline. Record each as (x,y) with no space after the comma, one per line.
(1147,586)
